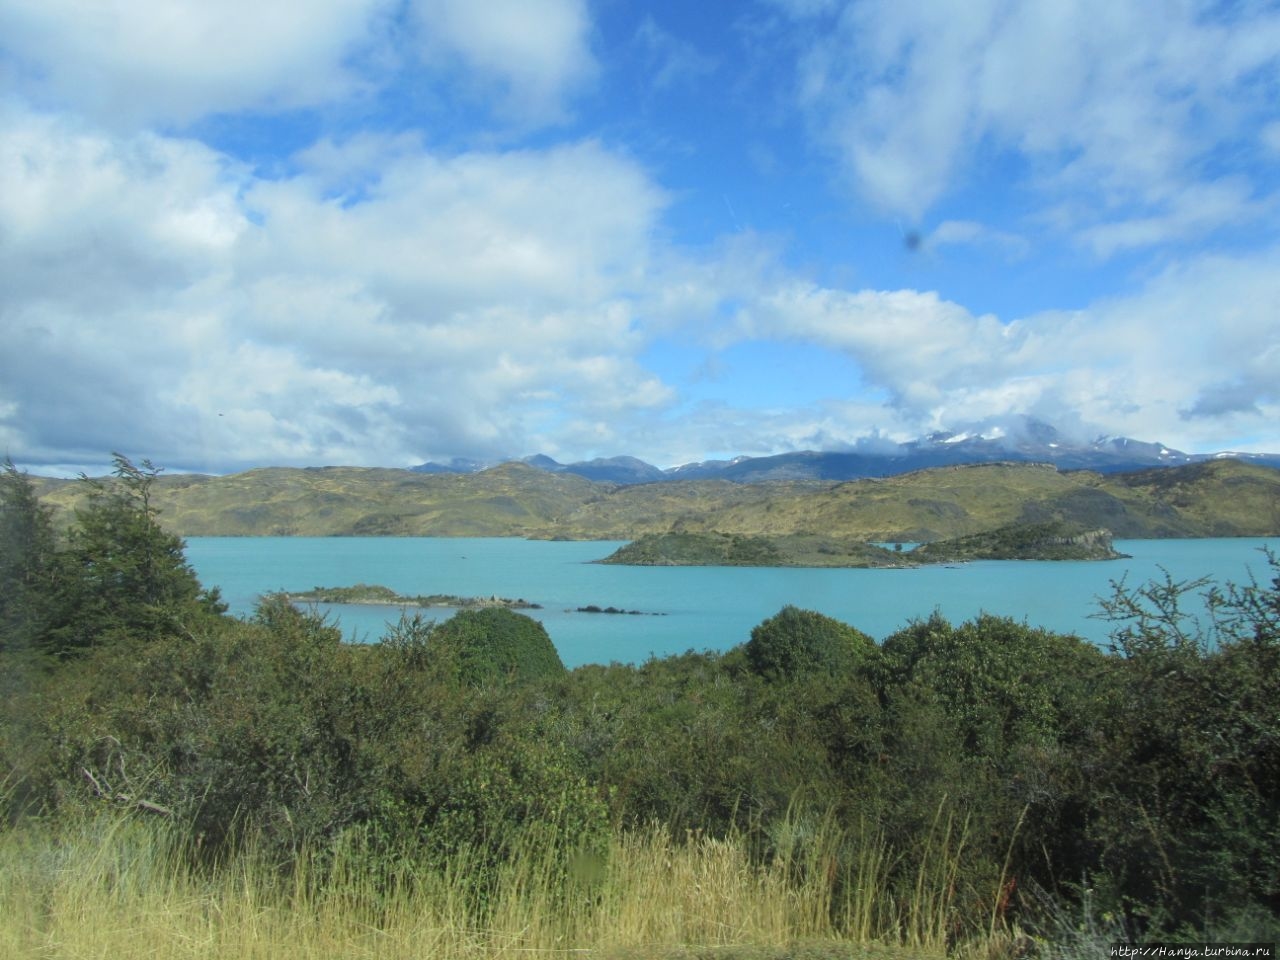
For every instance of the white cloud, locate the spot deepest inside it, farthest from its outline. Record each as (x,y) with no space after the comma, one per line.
(537,54)
(88,220)
(913,344)
(1106,105)
(1195,212)
(671,60)
(561,226)
(1191,358)
(973,233)
(378,299)
(133,63)
(130,62)
(163,299)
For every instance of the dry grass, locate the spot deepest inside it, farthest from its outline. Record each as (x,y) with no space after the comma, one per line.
(115,887)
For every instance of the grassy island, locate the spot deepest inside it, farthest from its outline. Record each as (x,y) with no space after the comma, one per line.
(1024,541)
(745,550)
(1033,541)
(376,595)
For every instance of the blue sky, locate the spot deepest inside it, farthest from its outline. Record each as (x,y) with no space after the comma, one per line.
(381,232)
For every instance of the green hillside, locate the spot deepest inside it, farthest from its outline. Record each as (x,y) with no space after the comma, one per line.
(1215,499)
(507,501)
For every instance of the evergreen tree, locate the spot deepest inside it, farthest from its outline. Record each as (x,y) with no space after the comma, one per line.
(26,560)
(121,574)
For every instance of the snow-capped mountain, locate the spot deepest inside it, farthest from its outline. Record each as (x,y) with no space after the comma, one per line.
(1024,439)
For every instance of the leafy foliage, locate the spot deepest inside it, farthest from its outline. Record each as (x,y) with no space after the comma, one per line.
(483,646)
(1006,685)
(1194,744)
(796,642)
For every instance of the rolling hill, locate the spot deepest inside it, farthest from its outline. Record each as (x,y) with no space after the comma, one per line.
(1213,498)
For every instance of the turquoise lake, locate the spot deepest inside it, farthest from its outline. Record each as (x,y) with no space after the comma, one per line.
(701,608)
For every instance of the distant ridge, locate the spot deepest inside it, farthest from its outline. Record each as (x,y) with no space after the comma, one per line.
(1215,498)
(1019,440)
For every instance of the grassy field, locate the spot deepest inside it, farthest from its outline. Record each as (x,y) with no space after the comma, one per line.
(119,886)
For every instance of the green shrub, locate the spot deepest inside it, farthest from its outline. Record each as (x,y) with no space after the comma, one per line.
(494,644)
(1005,683)
(1185,799)
(795,643)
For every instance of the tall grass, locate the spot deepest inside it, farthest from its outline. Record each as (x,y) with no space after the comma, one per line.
(122,886)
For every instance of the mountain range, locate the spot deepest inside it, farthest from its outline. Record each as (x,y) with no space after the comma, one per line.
(1216,498)
(1023,439)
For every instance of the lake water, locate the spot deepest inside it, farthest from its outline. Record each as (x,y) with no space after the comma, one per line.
(701,607)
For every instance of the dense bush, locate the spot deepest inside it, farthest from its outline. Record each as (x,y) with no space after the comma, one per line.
(494,644)
(1192,753)
(795,642)
(1008,687)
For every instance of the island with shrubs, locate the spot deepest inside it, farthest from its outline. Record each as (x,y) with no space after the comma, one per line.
(367,594)
(1025,541)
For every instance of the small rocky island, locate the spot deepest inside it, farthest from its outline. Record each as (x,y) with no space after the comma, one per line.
(1027,541)
(366,594)
(595,608)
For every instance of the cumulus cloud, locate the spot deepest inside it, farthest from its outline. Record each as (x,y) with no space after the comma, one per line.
(443,307)
(1196,349)
(172,61)
(1105,106)
(556,226)
(134,63)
